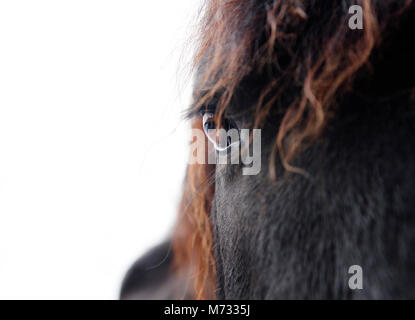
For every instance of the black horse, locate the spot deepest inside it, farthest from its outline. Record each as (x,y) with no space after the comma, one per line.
(337,185)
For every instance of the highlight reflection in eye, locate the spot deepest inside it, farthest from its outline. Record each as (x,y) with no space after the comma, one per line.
(223,137)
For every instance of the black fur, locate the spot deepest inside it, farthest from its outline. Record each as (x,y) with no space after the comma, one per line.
(297,237)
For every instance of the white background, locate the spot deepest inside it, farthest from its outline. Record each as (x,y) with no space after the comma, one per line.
(92,148)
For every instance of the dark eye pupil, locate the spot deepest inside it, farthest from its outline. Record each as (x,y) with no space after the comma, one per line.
(210,125)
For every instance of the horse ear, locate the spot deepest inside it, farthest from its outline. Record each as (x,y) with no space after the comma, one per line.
(192,239)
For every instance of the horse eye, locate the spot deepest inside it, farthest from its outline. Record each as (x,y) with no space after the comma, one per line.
(222,136)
